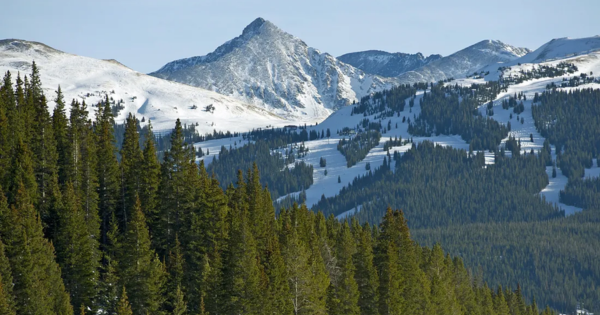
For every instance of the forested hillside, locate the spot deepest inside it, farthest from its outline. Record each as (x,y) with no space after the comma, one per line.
(83,231)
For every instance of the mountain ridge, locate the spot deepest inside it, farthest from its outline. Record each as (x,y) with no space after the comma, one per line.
(386,64)
(275,70)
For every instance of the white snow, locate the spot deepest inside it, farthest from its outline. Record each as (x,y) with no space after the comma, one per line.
(145,96)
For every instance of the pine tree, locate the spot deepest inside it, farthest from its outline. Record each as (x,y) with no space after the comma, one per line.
(38,287)
(77,251)
(139,267)
(21,173)
(391,279)
(180,305)
(241,272)
(366,274)
(42,143)
(150,180)
(5,132)
(500,305)
(60,127)
(81,168)
(109,284)
(130,169)
(345,295)
(7,303)
(176,191)
(123,307)
(107,166)
(442,299)
(175,267)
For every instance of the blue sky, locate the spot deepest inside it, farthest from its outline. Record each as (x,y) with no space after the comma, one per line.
(146,34)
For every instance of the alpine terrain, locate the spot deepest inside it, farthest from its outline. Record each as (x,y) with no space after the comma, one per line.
(274,70)
(386,64)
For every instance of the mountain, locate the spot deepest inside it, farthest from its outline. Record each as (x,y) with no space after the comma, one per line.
(270,68)
(465,62)
(560,48)
(386,64)
(145,96)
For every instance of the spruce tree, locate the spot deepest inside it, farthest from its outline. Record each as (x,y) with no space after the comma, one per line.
(175,190)
(139,267)
(42,144)
(21,172)
(123,307)
(345,294)
(60,127)
(149,183)
(7,303)
(38,287)
(366,274)
(392,281)
(77,251)
(82,169)
(241,272)
(130,169)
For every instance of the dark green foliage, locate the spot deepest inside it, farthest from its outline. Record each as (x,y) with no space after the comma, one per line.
(280,179)
(188,246)
(443,113)
(582,193)
(457,182)
(540,256)
(77,252)
(570,120)
(387,102)
(356,148)
(139,269)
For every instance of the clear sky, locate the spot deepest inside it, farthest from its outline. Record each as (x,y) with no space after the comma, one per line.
(146,34)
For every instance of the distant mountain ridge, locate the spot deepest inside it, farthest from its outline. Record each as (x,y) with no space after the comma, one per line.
(465,62)
(272,69)
(386,64)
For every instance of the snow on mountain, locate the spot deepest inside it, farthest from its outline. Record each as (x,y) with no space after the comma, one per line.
(386,64)
(145,96)
(465,62)
(582,52)
(272,69)
(560,48)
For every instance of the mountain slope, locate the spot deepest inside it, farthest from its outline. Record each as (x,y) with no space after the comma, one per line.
(161,101)
(465,62)
(386,64)
(270,68)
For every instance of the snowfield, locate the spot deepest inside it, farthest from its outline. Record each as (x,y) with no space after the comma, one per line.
(90,80)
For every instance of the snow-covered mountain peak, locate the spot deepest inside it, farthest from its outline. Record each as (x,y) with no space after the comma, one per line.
(277,71)
(565,47)
(465,62)
(149,98)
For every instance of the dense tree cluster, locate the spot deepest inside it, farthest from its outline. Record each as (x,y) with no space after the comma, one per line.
(135,236)
(555,261)
(453,110)
(356,148)
(276,174)
(570,121)
(440,186)
(583,193)
(542,71)
(385,103)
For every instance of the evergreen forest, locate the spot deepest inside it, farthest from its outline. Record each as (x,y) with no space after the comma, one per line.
(87,227)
